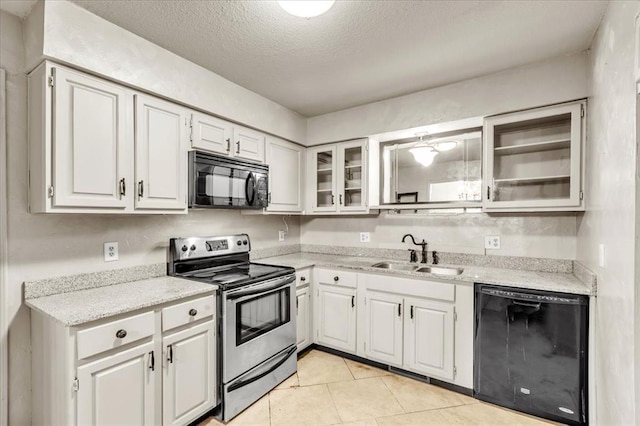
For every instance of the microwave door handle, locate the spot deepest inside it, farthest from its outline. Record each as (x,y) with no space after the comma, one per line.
(252,179)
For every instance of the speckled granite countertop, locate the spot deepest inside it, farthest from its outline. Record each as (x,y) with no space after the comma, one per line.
(550,281)
(82,306)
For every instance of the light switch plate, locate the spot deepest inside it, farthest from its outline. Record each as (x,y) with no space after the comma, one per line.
(281,235)
(110,252)
(492,242)
(365,237)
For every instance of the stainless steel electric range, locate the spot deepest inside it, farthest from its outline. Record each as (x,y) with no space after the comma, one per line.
(256,320)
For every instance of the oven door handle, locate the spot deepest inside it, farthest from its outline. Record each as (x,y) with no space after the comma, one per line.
(244,382)
(282,282)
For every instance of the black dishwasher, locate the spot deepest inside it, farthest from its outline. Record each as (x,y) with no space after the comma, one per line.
(530,351)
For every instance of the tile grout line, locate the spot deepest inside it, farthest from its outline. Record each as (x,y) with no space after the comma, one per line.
(333,401)
(393,395)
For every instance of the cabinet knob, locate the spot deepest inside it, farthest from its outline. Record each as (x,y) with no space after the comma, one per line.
(336,278)
(303,279)
(193,312)
(121,334)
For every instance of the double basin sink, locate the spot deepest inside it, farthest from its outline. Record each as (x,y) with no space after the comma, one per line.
(441,270)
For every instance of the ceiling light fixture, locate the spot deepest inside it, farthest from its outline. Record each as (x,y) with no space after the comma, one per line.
(422,152)
(445,145)
(306,8)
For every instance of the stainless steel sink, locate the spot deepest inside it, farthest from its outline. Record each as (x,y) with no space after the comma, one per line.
(441,270)
(395,266)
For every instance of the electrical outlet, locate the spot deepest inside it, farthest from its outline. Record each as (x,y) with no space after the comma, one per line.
(492,242)
(110,252)
(281,235)
(365,237)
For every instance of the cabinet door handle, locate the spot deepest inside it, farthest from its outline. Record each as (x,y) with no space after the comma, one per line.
(488,192)
(152,361)
(353,301)
(238,147)
(340,199)
(228,144)
(141,189)
(333,199)
(297,305)
(411,311)
(123,188)
(399,309)
(121,334)
(170,354)
(193,312)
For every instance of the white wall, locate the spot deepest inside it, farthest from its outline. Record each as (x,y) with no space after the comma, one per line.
(42,246)
(77,37)
(546,82)
(610,216)
(547,236)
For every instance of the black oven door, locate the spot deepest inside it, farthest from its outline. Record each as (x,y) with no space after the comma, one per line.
(223,185)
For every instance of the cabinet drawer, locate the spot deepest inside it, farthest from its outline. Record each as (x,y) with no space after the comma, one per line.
(187,312)
(303,277)
(340,278)
(114,334)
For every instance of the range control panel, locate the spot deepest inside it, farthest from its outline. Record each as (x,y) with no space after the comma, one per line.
(199,247)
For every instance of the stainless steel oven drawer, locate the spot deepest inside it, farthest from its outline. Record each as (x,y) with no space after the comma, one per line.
(255,383)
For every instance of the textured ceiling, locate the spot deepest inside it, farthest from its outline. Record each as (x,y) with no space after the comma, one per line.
(359,51)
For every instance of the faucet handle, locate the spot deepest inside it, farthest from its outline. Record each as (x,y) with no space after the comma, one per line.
(413,256)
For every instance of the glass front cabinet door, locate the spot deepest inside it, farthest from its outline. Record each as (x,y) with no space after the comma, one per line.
(338,177)
(534,159)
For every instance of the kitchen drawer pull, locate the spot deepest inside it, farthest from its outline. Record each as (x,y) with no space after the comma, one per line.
(336,278)
(170,354)
(193,312)
(228,145)
(121,334)
(353,301)
(303,279)
(152,361)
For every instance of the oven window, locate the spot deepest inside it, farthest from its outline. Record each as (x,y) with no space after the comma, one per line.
(261,314)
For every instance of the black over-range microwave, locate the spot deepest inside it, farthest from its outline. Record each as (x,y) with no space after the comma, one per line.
(216,181)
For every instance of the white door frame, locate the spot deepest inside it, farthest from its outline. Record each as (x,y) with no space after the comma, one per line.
(4,302)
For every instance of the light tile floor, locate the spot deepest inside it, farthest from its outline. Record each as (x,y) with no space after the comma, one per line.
(330,390)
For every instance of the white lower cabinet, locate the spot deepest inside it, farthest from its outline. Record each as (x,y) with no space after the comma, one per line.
(119,389)
(128,369)
(188,387)
(429,339)
(383,328)
(336,317)
(303,311)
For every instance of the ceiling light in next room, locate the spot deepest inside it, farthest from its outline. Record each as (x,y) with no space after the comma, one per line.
(423,152)
(306,8)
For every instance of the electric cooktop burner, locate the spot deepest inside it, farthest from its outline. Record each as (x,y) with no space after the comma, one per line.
(223,261)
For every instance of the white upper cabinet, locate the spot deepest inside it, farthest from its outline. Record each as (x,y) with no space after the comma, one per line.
(82,146)
(161,154)
(213,134)
(80,140)
(534,161)
(285,160)
(337,178)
